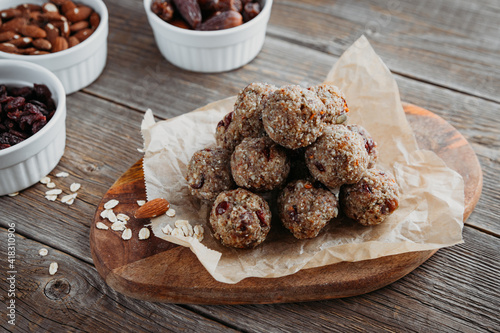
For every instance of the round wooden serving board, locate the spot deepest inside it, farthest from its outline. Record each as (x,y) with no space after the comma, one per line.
(156,270)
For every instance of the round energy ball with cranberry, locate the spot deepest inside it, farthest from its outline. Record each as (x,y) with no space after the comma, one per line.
(259,164)
(370,144)
(245,119)
(306,207)
(293,116)
(240,219)
(338,157)
(334,100)
(209,173)
(372,199)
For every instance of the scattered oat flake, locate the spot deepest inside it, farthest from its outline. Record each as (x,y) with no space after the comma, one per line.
(112,217)
(198,229)
(75,187)
(102,226)
(51,197)
(111,204)
(62,174)
(140,150)
(50,185)
(180,223)
(144,233)
(167,230)
(177,232)
(68,199)
(53,268)
(122,217)
(127,234)
(141,202)
(43,252)
(45,180)
(118,226)
(170,212)
(13,194)
(104,213)
(56,191)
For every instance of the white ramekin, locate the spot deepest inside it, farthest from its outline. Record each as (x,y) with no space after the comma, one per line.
(80,65)
(210,51)
(25,163)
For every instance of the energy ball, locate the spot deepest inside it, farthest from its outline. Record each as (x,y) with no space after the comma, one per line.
(245,119)
(259,164)
(305,208)
(240,219)
(338,157)
(293,116)
(334,100)
(374,197)
(370,144)
(209,173)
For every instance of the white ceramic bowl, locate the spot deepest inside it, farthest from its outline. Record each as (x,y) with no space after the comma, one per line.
(80,65)
(25,163)
(210,51)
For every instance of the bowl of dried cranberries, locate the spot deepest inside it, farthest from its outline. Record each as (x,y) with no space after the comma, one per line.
(32,124)
(209,36)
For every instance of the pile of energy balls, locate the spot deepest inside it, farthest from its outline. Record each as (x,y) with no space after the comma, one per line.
(292,146)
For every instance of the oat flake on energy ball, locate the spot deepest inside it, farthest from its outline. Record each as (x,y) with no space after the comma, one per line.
(412,227)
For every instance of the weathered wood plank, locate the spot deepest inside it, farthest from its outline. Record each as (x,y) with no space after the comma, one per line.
(436,297)
(76,299)
(101,144)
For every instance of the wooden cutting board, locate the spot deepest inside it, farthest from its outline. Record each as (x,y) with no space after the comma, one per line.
(156,270)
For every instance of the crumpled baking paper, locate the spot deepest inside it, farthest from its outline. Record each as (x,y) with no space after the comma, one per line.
(430,215)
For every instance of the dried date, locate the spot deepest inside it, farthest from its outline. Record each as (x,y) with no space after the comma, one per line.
(190,11)
(222,20)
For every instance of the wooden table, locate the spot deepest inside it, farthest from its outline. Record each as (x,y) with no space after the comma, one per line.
(444,55)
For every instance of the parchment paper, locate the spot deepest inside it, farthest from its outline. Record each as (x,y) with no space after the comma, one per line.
(431,209)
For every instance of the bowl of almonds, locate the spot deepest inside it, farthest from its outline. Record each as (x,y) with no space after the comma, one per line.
(209,36)
(32,124)
(68,37)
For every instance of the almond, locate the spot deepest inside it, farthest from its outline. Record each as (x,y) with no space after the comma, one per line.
(42,44)
(78,13)
(14,25)
(60,44)
(10,13)
(77,26)
(67,6)
(8,47)
(152,209)
(50,7)
(52,32)
(94,20)
(32,31)
(72,41)
(21,42)
(7,35)
(83,34)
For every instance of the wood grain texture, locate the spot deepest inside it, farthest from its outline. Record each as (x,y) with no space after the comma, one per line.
(160,271)
(76,300)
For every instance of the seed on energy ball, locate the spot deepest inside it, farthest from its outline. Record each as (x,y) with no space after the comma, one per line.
(372,199)
(334,100)
(305,208)
(293,116)
(338,157)
(245,120)
(209,173)
(240,219)
(259,164)
(370,144)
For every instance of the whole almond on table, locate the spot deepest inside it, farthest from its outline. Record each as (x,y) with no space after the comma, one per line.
(153,208)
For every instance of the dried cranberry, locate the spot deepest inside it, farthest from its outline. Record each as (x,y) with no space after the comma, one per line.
(389,206)
(24,92)
(222,207)
(293,213)
(369,145)
(199,184)
(262,218)
(319,166)
(14,103)
(41,92)
(366,188)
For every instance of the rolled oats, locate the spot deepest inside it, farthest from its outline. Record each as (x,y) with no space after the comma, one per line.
(111,204)
(43,252)
(13,194)
(45,180)
(102,226)
(170,212)
(118,226)
(53,268)
(51,197)
(123,217)
(51,185)
(127,234)
(54,192)
(167,230)
(75,187)
(62,174)
(141,202)
(144,233)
